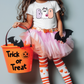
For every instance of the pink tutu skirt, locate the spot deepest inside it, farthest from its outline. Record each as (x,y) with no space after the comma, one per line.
(46,45)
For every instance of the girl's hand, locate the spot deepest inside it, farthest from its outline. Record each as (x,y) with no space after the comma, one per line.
(61,35)
(16,24)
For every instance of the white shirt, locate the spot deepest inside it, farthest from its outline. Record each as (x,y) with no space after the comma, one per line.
(44,14)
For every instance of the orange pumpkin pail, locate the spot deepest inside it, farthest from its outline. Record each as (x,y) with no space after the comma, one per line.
(18,59)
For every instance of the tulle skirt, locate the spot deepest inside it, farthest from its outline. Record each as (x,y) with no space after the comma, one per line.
(46,45)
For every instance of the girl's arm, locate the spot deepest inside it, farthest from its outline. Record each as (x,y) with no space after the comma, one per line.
(28,23)
(59,24)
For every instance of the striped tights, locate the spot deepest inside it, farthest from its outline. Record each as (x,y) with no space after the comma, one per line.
(43,66)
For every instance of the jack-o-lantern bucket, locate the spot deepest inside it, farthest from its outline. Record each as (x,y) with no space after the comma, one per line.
(18,59)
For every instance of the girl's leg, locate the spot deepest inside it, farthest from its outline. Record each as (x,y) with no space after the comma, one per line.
(43,66)
(63,70)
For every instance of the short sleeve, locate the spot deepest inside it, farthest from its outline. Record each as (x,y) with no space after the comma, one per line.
(30,9)
(57,7)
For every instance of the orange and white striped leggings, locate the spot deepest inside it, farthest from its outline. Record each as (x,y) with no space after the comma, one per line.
(43,66)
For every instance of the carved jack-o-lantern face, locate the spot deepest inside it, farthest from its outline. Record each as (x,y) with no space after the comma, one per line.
(25,54)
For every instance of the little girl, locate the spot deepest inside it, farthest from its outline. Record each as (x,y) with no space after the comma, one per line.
(43,17)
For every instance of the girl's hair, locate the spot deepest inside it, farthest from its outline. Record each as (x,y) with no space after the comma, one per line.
(23,5)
